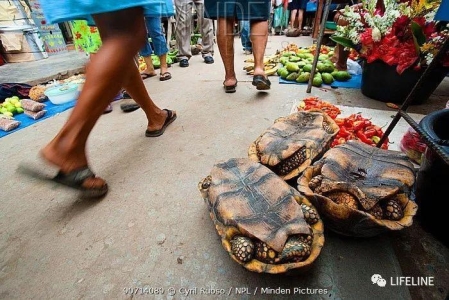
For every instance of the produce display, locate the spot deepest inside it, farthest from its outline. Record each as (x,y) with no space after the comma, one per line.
(32,106)
(357,127)
(271,65)
(171,58)
(412,145)
(11,106)
(353,127)
(272,228)
(297,64)
(311,103)
(36,93)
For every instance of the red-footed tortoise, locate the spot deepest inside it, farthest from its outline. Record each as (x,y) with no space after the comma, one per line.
(264,224)
(294,142)
(361,190)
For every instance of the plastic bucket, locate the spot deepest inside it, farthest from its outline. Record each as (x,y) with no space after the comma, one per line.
(432,183)
(383,83)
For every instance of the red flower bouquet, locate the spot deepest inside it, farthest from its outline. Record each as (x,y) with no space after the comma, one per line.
(400,34)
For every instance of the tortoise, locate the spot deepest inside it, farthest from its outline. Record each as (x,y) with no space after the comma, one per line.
(361,190)
(294,142)
(265,224)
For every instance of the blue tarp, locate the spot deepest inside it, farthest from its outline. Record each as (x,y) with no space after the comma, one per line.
(51,109)
(354,83)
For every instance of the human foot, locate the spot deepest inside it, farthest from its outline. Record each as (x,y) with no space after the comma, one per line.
(145,75)
(230,88)
(81,179)
(261,82)
(157,129)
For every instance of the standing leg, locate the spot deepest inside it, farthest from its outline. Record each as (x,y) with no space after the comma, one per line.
(183,30)
(245,37)
(154,26)
(207,33)
(146,52)
(300,18)
(108,71)
(259,38)
(225,42)
(293,14)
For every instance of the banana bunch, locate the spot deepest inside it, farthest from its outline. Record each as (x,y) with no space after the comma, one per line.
(271,65)
(267,59)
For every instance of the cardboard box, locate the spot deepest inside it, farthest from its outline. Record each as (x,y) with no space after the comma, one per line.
(15,46)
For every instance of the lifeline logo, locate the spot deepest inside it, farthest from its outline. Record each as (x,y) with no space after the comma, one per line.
(403,280)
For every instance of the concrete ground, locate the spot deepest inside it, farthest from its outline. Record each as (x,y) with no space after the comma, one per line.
(152,231)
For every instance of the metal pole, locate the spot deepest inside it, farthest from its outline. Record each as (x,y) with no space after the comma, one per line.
(318,43)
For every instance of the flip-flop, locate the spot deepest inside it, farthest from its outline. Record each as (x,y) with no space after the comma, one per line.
(74,179)
(171,116)
(261,83)
(129,106)
(108,109)
(230,88)
(165,76)
(125,95)
(146,75)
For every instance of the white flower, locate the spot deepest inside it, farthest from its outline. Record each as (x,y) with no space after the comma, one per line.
(376,35)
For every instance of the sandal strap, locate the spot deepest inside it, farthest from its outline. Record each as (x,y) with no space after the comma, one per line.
(76,177)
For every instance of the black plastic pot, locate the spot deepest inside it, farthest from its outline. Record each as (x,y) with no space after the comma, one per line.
(432,184)
(382,82)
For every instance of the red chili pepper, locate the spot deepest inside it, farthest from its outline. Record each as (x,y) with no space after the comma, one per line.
(370,133)
(363,138)
(339,121)
(343,132)
(358,125)
(349,123)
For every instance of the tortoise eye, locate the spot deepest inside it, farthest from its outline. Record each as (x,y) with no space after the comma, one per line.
(206,182)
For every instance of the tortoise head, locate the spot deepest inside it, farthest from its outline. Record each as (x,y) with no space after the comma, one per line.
(204,185)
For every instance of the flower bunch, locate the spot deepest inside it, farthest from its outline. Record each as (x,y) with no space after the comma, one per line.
(403,34)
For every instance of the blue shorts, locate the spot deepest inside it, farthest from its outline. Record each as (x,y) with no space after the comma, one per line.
(297,4)
(69,10)
(238,9)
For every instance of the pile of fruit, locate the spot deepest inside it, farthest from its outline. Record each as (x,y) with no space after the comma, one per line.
(297,66)
(11,106)
(171,58)
(315,103)
(271,65)
(354,127)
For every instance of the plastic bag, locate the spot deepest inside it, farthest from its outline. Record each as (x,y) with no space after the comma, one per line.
(412,145)
(353,67)
(280,17)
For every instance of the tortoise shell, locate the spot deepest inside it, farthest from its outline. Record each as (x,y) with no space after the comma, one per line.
(294,142)
(246,200)
(361,190)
